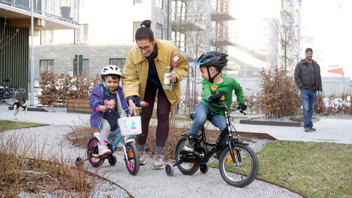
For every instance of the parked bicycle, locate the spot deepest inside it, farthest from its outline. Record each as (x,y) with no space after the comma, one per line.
(8,94)
(129,127)
(238,163)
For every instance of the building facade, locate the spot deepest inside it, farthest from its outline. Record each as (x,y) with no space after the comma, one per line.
(106,36)
(15,28)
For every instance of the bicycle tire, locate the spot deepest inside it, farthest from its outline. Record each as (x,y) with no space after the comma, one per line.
(185,168)
(92,148)
(236,174)
(8,96)
(132,160)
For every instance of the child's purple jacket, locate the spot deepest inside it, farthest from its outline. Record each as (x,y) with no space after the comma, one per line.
(97,99)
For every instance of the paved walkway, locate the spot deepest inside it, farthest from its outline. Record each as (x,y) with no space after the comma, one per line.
(328,129)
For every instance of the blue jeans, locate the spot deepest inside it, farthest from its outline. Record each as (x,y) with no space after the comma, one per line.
(202,112)
(308,100)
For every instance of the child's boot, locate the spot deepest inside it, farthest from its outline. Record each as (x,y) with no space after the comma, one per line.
(103,148)
(189,144)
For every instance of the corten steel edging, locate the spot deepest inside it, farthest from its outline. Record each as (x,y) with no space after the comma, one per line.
(273,123)
(105,179)
(263,180)
(256,135)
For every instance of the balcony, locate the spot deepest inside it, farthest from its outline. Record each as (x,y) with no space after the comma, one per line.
(221,16)
(183,24)
(48,14)
(219,42)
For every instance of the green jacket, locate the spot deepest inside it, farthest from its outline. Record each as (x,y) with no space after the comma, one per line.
(135,72)
(228,85)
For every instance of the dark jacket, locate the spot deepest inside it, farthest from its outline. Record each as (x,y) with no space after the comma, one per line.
(302,75)
(97,99)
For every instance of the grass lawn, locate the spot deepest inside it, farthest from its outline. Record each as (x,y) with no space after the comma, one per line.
(313,169)
(6,125)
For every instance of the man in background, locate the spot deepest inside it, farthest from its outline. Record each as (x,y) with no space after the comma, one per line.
(308,80)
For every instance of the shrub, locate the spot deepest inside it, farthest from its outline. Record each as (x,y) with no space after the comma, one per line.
(279,94)
(56,90)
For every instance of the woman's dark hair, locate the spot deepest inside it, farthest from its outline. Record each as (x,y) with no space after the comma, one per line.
(144,31)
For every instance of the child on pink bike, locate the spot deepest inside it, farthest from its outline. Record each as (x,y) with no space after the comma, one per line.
(107,94)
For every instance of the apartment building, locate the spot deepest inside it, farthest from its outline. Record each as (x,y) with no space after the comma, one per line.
(105,36)
(107,32)
(15,26)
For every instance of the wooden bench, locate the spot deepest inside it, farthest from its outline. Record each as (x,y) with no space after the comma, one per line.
(78,106)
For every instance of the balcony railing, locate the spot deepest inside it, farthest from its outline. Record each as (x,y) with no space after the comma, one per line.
(63,10)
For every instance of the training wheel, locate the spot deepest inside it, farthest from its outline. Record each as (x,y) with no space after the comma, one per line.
(204,168)
(169,170)
(112,160)
(79,162)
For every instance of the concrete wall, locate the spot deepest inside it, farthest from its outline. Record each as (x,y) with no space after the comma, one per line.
(63,56)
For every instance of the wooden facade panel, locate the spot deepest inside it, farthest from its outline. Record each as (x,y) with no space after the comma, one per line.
(14,55)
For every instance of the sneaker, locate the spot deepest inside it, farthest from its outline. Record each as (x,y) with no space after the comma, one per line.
(103,148)
(189,144)
(309,129)
(158,163)
(142,157)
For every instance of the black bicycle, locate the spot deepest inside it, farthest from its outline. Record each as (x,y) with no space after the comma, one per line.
(238,163)
(9,93)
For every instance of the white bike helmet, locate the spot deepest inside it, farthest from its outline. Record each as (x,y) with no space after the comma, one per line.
(110,70)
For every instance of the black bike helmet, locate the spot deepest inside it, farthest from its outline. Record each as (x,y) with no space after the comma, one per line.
(212,58)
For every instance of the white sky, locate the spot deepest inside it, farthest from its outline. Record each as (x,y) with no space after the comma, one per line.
(329,23)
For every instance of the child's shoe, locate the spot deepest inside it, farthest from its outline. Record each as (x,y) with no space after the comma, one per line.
(103,148)
(189,144)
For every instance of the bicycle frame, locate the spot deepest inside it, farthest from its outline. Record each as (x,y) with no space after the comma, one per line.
(215,147)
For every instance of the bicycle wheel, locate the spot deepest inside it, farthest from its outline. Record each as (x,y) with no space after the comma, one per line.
(7,96)
(186,168)
(93,153)
(242,170)
(132,161)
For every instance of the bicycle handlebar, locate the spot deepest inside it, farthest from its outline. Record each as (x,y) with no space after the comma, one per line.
(227,109)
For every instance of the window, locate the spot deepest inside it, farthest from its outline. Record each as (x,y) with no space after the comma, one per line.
(136,26)
(46,65)
(179,39)
(81,35)
(81,69)
(120,62)
(46,37)
(178,10)
(159,4)
(159,33)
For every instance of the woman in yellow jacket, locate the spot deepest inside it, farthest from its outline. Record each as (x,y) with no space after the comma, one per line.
(142,78)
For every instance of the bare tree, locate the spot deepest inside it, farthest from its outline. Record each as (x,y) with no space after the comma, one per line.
(6,39)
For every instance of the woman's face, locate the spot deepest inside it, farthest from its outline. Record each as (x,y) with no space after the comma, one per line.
(146,47)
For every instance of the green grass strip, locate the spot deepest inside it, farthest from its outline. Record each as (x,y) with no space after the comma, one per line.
(6,125)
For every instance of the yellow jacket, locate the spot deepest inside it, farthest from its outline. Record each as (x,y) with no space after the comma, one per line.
(135,71)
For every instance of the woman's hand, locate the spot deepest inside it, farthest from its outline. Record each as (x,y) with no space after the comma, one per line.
(133,108)
(173,78)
